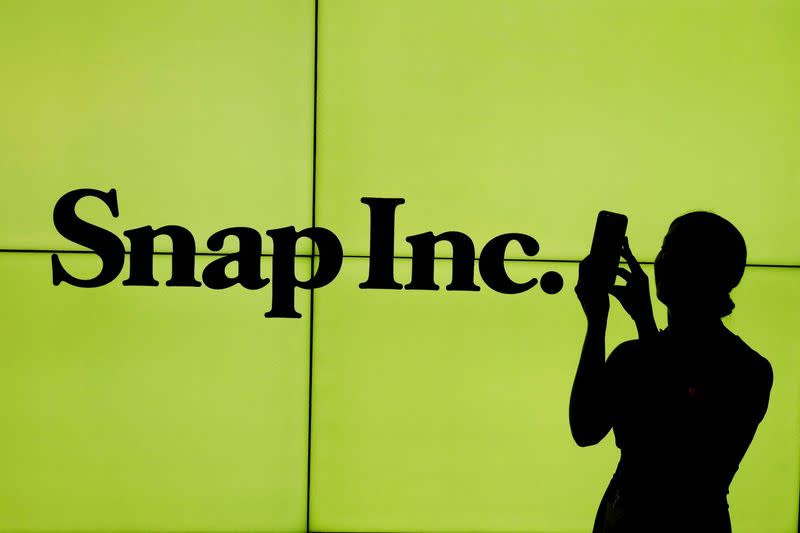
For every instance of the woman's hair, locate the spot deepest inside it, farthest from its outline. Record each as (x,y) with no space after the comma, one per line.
(720,253)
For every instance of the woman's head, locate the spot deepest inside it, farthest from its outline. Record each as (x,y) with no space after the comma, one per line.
(701,260)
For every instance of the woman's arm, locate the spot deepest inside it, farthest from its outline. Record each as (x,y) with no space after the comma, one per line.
(589,418)
(589,412)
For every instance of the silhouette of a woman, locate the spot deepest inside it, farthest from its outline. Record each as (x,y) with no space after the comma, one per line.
(684,402)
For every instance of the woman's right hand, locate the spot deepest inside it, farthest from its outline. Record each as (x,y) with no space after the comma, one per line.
(591,293)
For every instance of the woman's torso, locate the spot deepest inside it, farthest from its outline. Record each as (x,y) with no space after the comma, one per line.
(679,411)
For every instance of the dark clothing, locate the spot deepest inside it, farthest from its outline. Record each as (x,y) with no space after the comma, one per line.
(664,513)
(683,412)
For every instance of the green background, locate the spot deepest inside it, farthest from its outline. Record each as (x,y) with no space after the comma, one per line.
(184,409)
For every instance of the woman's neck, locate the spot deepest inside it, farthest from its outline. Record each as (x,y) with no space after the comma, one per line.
(691,323)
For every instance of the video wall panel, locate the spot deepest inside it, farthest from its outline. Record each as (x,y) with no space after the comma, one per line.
(490,117)
(448,411)
(199,114)
(149,408)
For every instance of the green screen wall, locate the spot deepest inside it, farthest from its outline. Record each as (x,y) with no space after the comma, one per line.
(185,409)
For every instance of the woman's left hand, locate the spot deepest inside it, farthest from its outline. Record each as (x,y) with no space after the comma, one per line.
(635,294)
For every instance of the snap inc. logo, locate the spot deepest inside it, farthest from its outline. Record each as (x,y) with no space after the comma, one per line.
(111,251)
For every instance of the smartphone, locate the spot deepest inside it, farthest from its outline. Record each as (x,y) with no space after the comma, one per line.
(609,235)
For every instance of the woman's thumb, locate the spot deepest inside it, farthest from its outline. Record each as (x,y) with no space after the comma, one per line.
(615,291)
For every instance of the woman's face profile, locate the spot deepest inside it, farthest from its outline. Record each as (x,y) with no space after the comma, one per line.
(673,269)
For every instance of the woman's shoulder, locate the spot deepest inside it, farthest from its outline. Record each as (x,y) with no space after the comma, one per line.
(735,351)
(629,352)
(633,346)
(749,361)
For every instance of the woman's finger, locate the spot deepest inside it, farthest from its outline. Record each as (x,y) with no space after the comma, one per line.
(624,274)
(629,257)
(617,291)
